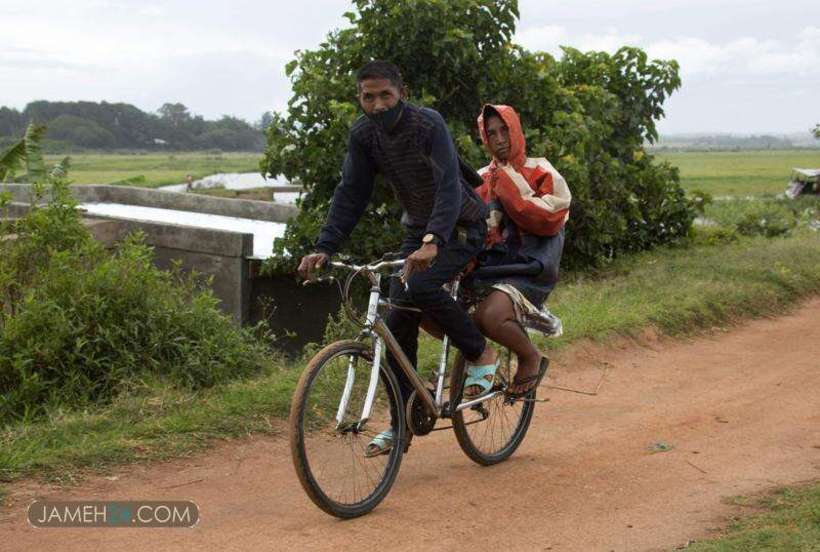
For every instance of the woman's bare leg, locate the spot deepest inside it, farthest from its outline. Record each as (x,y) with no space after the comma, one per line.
(495,317)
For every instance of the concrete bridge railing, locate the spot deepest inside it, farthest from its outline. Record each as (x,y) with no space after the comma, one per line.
(145,197)
(225,255)
(295,313)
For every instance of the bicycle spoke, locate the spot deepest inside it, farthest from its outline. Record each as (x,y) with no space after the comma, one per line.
(492,436)
(335,450)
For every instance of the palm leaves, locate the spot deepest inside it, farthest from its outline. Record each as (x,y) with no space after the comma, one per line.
(60,170)
(35,167)
(11,159)
(28,152)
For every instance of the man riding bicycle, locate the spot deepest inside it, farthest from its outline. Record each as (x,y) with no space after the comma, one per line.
(443,217)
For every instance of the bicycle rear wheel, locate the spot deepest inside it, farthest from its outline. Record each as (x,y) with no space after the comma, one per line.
(328,445)
(490,432)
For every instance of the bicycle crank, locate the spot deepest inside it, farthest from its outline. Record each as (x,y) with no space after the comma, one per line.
(419,421)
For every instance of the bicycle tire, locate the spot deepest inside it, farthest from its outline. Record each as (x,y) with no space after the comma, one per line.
(302,438)
(466,429)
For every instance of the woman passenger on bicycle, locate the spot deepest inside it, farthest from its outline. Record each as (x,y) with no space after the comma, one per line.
(529,205)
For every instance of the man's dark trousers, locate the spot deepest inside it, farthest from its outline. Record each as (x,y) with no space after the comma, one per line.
(425,292)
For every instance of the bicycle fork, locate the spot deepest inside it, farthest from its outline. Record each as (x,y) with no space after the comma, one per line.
(372,312)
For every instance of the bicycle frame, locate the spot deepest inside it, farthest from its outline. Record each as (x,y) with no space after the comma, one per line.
(376,329)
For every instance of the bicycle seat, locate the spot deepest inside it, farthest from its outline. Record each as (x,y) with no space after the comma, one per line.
(532,268)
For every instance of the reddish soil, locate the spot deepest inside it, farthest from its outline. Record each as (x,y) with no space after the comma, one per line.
(739,409)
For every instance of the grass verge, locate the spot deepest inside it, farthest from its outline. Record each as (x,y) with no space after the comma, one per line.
(678,291)
(157,423)
(791,521)
(683,291)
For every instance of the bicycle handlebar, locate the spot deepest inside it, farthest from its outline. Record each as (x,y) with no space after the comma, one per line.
(372,267)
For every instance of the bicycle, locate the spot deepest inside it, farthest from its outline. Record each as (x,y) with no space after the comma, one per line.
(346,391)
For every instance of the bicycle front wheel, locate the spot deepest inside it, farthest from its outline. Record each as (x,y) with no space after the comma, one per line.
(329,439)
(491,431)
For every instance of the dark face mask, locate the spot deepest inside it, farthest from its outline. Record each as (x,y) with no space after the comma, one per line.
(388,119)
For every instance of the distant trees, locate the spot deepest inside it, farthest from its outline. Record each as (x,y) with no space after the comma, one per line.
(265,120)
(817,131)
(175,114)
(123,126)
(79,131)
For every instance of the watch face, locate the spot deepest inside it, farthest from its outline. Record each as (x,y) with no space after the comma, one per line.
(428,238)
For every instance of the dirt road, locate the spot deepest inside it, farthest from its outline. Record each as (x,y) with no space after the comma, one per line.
(740,411)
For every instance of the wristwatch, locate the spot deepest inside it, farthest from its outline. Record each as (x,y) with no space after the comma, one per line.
(430,238)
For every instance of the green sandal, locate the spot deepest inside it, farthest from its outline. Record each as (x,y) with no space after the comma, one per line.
(477,375)
(380,444)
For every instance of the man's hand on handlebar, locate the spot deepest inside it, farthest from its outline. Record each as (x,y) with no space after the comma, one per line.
(419,260)
(311,263)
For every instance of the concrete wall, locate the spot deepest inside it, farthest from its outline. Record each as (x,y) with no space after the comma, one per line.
(16,210)
(198,203)
(298,311)
(296,314)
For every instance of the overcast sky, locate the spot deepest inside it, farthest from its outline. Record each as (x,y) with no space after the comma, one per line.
(747,65)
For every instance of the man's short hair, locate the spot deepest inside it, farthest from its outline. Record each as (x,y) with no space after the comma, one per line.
(380,70)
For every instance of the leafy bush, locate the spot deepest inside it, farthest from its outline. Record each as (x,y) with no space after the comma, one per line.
(589,113)
(78,325)
(700,200)
(767,223)
(765,217)
(713,235)
(94,324)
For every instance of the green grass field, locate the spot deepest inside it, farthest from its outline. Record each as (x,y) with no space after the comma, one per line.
(719,173)
(739,173)
(154,169)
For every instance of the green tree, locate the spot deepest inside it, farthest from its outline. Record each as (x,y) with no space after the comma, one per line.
(265,120)
(11,121)
(176,114)
(82,132)
(589,113)
(817,131)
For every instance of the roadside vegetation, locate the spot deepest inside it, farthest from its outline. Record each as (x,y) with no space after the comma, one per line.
(790,521)
(82,328)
